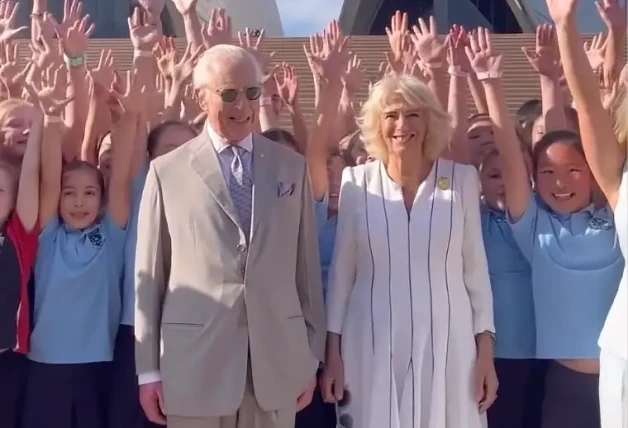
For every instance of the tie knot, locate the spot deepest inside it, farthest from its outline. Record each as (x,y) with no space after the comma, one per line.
(238,150)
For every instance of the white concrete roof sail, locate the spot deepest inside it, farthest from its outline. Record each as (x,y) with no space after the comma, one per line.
(588,18)
(254,14)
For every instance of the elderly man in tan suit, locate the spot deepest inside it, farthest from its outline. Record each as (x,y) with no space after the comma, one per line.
(229,323)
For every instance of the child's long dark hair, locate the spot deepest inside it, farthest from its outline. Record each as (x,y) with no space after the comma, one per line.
(564,136)
(155,134)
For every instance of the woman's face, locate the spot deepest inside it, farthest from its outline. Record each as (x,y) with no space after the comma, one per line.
(403,128)
(563,178)
(481,140)
(81,198)
(14,132)
(492,182)
(171,138)
(335,166)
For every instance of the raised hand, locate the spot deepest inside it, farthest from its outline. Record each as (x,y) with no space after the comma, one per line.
(49,93)
(11,73)
(252,45)
(185,6)
(561,10)
(104,73)
(132,99)
(545,57)
(401,55)
(8,13)
(354,75)
(182,70)
(613,14)
(595,50)
(74,38)
(217,31)
(287,84)
(430,48)
(144,33)
(72,12)
(165,52)
(46,52)
(480,53)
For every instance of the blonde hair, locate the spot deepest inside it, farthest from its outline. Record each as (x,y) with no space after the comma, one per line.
(621,119)
(415,94)
(7,107)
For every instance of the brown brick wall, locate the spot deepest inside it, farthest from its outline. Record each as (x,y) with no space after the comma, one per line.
(521,83)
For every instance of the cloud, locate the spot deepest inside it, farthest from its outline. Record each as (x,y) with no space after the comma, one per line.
(304,17)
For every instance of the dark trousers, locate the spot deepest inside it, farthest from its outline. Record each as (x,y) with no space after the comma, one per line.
(65,395)
(520,395)
(571,399)
(12,387)
(124,407)
(318,414)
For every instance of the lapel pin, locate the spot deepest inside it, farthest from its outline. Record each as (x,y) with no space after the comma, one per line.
(443,183)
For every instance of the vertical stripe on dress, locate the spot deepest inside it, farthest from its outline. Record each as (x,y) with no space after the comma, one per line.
(429,268)
(451,216)
(368,234)
(390,320)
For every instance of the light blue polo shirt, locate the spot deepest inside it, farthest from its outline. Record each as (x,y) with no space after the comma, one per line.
(511,283)
(576,268)
(128,280)
(326,236)
(77,293)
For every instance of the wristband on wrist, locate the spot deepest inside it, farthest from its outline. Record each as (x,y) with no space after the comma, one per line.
(138,54)
(487,75)
(431,65)
(265,101)
(456,71)
(74,61)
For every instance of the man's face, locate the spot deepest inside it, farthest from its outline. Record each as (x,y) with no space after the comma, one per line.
(231,100)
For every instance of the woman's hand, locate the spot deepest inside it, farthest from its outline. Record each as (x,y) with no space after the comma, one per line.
(49,94)
(332,381)
(486,382)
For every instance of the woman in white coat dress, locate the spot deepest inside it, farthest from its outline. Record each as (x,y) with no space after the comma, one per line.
(410,319)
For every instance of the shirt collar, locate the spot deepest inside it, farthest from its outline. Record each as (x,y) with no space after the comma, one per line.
(220,144)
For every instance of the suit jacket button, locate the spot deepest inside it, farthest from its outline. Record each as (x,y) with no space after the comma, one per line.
(242,271)
(241,248)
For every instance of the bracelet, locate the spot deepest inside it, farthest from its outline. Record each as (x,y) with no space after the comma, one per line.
(37,15)
(489,334)
(74,61)
(431,65)
(456,71)
(52,119)
(138,54)
(487,75)
(265,102)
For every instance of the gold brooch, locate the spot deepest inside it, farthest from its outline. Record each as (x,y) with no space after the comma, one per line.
(443,183)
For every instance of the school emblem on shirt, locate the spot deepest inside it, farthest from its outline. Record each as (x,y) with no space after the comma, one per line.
(599,223)
(443,183)
(95,237)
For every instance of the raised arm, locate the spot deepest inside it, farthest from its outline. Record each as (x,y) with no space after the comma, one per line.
(123,138)
(488,68)
(604,154)
(27,204)
(191,22)
(50,99)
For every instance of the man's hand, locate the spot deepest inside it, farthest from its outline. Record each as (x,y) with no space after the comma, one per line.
(152,401)
(305,399)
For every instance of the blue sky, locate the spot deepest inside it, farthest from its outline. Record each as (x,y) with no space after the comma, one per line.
(304,17)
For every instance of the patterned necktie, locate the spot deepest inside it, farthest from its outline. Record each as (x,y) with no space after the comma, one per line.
(240,187)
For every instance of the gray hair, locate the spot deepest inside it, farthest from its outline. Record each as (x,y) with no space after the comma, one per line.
(215,57)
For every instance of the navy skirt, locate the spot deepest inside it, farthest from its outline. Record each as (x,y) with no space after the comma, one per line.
(12,387)
(318,414)
(520,394)
(571,399)
(66,395)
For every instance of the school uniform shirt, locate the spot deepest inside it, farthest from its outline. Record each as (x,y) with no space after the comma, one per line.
(614,337)
(576,267)
(18,249)
(128,280)
(511,283)
(77,293)
(326,235)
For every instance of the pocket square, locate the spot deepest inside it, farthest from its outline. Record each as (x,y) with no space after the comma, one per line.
(285,189)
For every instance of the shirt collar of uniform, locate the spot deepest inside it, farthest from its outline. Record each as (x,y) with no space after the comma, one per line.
(221,144)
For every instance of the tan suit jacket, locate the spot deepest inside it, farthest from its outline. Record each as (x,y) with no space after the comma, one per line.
(205,298)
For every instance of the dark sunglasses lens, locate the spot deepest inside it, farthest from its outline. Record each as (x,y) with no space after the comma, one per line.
(253,93)
(228,95)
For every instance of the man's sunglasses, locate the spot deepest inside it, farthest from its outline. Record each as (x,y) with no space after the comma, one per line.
(251,93)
